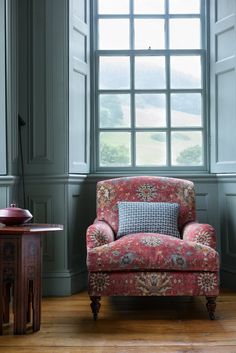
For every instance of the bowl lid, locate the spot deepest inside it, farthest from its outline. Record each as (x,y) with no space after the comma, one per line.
(14,211)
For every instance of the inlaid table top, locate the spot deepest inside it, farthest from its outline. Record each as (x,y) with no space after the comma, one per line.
(30,228)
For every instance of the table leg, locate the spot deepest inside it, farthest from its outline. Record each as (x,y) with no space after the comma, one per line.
(30,299)
(36,307)
(19,307)
(33,273)
(1,307)
(6,302)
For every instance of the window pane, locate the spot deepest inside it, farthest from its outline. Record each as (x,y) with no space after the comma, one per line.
(185,34)
(185,71)
(149,34)
(186,109)
(114,72)
(114,34)
(184,6)
(114,110)
(150,72)
(187,148)
(115,149)
(150,110)
(149,6)
(113,7)
(151,148)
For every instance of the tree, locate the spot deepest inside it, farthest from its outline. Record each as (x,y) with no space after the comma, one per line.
(111,155)
(159,136)
(190,156)
(111,113)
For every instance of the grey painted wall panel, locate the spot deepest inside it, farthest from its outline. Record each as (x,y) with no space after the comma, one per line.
(223,49)
(81,43)
(77,213)
(226,113)
(77,140)
(79,90)
(40,148)
(79,9)
(59,200)
(2,91)
(3,196)
(12,86)
(230,201)
(45,134)
(46,202)
(223,86)
(227,209)
(224,8)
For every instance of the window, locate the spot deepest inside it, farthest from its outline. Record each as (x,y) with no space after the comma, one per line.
(150,84)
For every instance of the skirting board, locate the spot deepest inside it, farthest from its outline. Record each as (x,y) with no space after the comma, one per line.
(228,279)
(64,285)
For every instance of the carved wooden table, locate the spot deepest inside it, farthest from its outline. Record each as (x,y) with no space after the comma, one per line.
(20,274)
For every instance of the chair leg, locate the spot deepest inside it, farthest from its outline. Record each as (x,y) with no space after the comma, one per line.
(95,306)
(211,306)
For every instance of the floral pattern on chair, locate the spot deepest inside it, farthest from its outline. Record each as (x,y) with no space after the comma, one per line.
(154,189)
(149,264)
(98,234)
(150,251)
(200,233)
(153,283)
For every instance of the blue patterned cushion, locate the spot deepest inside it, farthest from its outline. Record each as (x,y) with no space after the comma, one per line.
(148,217)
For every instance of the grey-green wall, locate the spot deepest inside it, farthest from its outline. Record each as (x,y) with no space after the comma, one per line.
(56,116)
(59,189)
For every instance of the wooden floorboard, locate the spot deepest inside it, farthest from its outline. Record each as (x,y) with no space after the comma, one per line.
(129,325)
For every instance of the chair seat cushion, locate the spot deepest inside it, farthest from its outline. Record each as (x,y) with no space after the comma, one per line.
(151,251)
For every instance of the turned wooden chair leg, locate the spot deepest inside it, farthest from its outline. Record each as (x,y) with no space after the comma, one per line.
(95,306)
(211,306)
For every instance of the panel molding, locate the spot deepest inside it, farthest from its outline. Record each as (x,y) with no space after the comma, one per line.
(11,51)
(222,75)
(79,105)
(41,208)
(4,196)
(228,233)
(55,179)
(3,156)
(45,78)
(39,125)
(202,207)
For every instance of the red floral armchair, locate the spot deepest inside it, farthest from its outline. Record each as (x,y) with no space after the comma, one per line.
(150,264)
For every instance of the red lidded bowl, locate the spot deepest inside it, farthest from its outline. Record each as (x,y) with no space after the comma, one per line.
(14,216)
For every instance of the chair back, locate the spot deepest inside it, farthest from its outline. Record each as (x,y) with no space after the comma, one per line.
(147,189)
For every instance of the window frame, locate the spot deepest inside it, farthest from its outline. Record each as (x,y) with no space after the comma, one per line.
(203,52)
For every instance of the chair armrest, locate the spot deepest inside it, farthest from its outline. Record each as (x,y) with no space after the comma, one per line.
(200,233)
(99,233)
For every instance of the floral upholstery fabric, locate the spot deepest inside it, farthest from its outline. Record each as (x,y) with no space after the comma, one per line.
(98,234)
(150,251)
(150,263)
(153,283)
(200,233)
(146,188)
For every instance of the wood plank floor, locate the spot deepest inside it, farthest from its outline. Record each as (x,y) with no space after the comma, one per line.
(129,325)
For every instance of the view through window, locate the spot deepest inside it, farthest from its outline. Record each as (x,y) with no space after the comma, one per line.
(150,83)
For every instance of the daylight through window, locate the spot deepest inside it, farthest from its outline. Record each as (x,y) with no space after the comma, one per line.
(150,61)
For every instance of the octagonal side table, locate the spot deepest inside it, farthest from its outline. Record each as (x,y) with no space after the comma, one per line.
(20,274)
